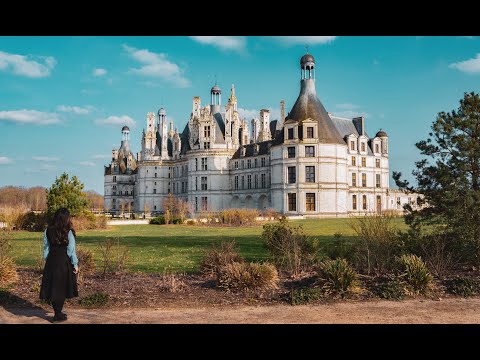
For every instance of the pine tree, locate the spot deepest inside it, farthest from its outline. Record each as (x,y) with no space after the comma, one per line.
(449,178)
(66,192)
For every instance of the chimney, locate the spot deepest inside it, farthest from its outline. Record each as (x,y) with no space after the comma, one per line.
(282,112)
(359,123)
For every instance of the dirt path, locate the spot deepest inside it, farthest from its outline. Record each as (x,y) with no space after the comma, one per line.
(457,310)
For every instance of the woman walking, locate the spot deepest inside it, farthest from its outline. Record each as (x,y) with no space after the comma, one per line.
(59,281)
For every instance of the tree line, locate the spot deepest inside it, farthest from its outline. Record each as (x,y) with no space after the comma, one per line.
(35,198)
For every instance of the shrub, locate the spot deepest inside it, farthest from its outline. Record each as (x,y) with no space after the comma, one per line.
(8,269)
(271,214)
(238,217)
(159,220)
(86,263)
(338,277)
(247,276)
(177,220)
(34,222)
(463,286)
(304,295)
(172,282)
(100,222)
(13,216)
(94,300)
(190,222)
(378,243)
(88,221)
(390,288)
(218,256)
(114,256)
(415,274)
(291,249)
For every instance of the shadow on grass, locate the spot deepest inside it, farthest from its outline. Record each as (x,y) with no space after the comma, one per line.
(21,307)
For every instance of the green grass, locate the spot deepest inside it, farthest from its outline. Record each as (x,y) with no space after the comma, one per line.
(156,248)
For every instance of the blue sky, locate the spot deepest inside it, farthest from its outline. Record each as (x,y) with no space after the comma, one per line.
(63,100)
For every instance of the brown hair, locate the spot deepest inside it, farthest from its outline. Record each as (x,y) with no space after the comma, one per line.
(57,232)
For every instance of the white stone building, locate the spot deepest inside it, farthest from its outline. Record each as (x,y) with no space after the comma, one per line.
(305,163)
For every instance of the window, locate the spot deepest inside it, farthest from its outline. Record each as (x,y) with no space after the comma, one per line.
(114,179)
(292,176)
(352,145)
(243,182)
(398,203)
(291,152)
(377,148)
(309,151)
(204,182)
(363,146)
(310,174)
(292,202)
(256,162)
(310,201)
(174,188)
(206,145)
(309,132)
(114,193)
(354,202)
(236,182)
(263,180)
(364,180)
(377,163)
(364,161)
(263,162)
(243,164)
(183,187)
(131,193)
(377,180)
(249,163)
(154,191)
(155,174)
(354,161)
(249,181)
(364,202)
(155,207)
(354,179)
(256,181)
(196,164)
(196,183)
(290,134)
(204,203)
(236,164)
(206,131)
(204,163)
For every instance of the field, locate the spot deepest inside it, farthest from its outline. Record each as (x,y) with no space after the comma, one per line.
(179,248)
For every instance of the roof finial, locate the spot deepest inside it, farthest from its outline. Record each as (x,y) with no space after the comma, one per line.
(306,48)
(215,79)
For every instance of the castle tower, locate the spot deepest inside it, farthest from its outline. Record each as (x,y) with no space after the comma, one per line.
(264,134)
(282,112)
(216,99)
(125,138)
(162,129)
(255,130)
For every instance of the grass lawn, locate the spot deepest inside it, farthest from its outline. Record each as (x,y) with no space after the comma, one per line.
(179,248)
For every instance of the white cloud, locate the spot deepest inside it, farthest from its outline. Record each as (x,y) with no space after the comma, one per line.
(75,109)
(26,66)
(99,72)
(234,43)
(303,40)
(45,158)
(30,117)
(156,65)
(470,66)
(117,121)
(42,168)
(250,114)
(87,163)
(350,114)
(347,106)
(5,160)
(101,156)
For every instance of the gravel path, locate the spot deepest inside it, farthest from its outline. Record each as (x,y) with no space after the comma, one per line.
(447,311)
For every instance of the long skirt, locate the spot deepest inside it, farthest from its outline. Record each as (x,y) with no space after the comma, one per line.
(58,281)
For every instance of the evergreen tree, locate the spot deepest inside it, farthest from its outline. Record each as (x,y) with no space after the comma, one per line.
(449,178)
(66,192)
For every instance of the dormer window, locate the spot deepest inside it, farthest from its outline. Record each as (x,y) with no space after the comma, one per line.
(290,134)
(352,145)
(310,132)
(377,148)
(363,146)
